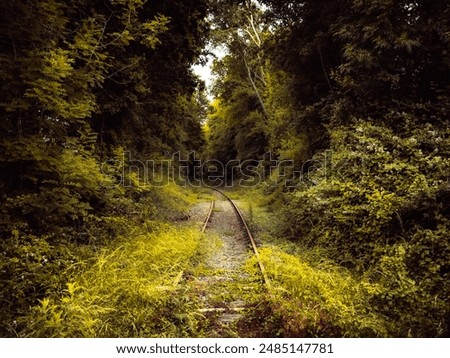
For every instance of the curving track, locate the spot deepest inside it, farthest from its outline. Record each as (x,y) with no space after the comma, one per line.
(247,233)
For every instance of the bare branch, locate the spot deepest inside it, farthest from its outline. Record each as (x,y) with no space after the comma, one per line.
(121,69)
(255,37)
(324,70)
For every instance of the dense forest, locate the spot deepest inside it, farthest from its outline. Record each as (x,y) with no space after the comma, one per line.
(86,86)
(355,96)
(339,108)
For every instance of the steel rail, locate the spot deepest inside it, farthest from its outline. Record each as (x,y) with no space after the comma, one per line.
(205,222)
(178,278)
(250,237)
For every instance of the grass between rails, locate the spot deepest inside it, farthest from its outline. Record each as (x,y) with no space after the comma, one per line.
(220,283)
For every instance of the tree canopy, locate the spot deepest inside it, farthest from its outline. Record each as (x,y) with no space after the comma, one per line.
(85,86)
(353,93)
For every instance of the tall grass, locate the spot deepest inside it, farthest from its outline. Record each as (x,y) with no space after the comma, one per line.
(128,291)
(324,300)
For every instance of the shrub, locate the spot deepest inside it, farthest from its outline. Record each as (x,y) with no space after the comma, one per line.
(377,203)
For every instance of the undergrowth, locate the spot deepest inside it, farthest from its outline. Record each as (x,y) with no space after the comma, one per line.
(315,295)
(127,291)
(109,273)
(325,301)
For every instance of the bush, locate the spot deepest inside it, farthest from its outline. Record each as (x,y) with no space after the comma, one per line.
(52,230)
(377,203)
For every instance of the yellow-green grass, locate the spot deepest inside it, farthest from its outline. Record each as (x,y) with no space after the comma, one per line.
(127,292)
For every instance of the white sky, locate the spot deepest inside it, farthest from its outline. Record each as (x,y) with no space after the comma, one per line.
(205,72)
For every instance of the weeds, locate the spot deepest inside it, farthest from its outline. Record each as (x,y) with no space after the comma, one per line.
(127,287)
(317,296)
(318,301)
(127,292)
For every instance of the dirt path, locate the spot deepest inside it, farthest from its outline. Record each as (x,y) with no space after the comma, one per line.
(221,284)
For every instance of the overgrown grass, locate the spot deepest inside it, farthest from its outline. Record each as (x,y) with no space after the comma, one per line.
(128,291)
(315,295)
(121,283)
(310,301)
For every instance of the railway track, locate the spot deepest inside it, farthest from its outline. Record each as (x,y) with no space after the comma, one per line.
(221,286)
(247,233)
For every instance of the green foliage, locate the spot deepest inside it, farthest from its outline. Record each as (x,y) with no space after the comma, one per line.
(356,92)
(60,189)
(31,267)
(81,79)
(393,52)
(38,267)
(236,129)
(377,176)
(378,205)
(237,118)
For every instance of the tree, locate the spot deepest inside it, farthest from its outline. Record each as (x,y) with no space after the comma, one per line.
(80,81)
(240,114)
(394,58)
